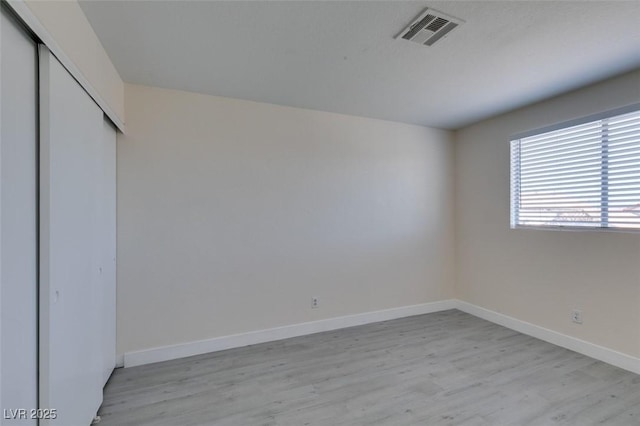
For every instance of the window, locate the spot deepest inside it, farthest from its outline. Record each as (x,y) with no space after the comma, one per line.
(583,174)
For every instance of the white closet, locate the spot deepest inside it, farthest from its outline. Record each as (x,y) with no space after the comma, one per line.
(77,254)
(18,220)
(107,245)
(57,252)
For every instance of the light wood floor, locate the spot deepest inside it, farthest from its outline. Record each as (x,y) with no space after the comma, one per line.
(446,368)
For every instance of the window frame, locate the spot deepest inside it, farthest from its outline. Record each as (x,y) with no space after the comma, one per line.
(514,203)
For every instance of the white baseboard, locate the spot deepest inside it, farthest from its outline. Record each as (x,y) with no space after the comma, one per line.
(166,353)
(592,350)
(119,361)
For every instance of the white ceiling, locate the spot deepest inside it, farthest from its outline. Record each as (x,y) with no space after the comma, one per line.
(341,56)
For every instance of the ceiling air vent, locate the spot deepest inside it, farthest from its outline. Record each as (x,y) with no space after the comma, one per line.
(429,27)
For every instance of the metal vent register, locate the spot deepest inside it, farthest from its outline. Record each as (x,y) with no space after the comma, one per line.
(429,27)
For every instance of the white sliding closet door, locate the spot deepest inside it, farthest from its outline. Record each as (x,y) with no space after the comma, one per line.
(71,259)
(18,222)
(107,246)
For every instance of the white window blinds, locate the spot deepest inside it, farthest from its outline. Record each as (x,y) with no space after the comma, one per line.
(579,175)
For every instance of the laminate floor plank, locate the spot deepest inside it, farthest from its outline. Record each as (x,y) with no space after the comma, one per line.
(445,368)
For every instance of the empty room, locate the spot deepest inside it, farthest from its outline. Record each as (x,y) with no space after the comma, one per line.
(319,213)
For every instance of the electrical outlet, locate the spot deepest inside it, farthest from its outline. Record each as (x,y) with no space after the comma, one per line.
(315,303)
(576,316)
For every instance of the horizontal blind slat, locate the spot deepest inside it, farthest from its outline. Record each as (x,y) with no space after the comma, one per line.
(578,185)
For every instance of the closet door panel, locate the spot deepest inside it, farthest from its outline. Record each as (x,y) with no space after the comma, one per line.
(18,221)
(107,246)
(71,132)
